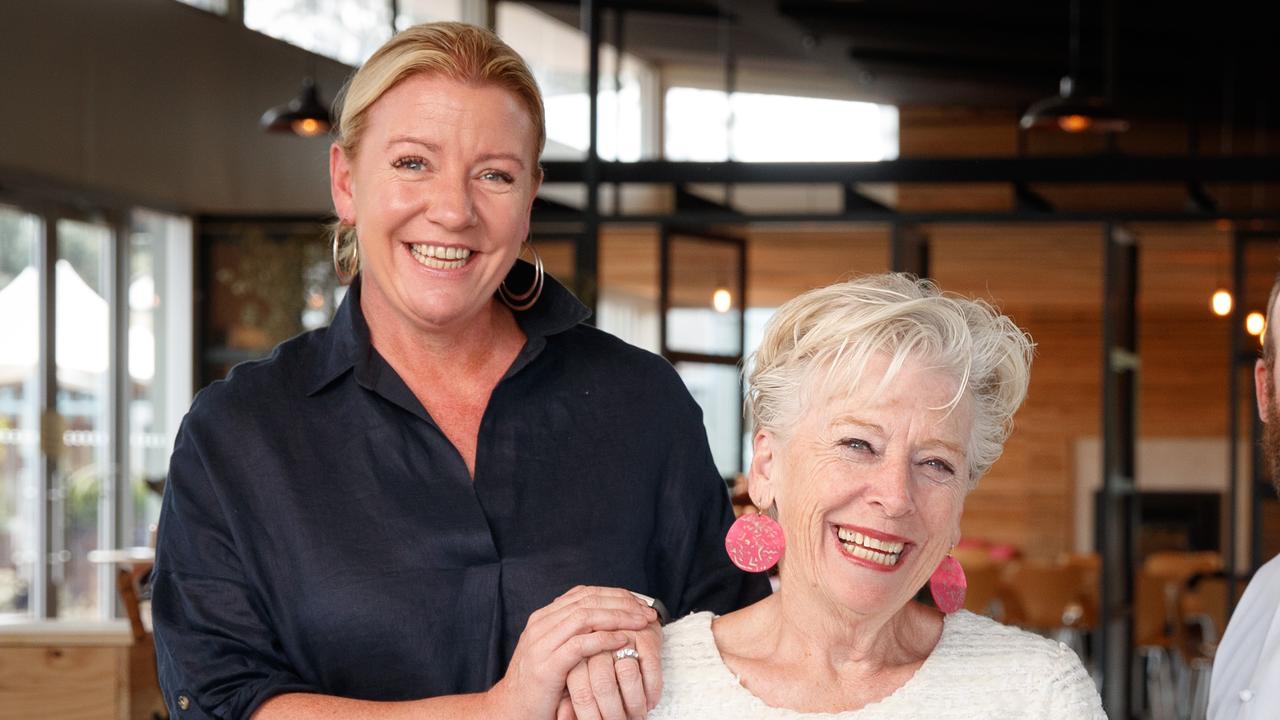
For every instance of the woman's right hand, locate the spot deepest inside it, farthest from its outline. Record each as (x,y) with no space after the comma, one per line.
(581,623)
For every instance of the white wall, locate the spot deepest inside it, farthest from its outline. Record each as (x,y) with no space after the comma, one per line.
(157,103)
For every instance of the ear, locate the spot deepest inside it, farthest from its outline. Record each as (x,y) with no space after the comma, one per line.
(1261,388)
(344,204)
(761,480)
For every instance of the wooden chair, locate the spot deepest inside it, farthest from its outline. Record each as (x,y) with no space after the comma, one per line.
(146,702)
(984,594)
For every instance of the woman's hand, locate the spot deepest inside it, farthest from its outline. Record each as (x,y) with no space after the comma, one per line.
(581,624)
(602,688)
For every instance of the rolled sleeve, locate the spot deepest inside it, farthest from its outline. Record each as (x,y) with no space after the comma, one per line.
(216,654)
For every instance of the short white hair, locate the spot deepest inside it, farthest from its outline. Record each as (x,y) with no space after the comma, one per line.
(824,338)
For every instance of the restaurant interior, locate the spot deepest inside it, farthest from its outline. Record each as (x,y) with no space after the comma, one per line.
(1105,172)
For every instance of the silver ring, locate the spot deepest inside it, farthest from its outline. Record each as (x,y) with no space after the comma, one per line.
(626,653)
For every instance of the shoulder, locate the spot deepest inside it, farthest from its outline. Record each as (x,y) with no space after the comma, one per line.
(254,384)
(976,637)
(615,367)
(1251,622)
(981,647)
(1268,576)
(1257,606)
(609,350)
(982,654)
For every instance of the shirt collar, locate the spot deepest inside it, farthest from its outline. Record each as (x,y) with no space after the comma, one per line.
(346,342)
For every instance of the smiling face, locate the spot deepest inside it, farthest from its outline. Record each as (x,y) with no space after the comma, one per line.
(869,488)
(440,191)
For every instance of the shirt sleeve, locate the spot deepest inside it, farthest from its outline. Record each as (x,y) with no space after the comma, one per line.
(216,654)
(1074,696)
(693,568)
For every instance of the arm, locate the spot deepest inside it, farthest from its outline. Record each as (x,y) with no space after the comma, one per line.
(218,655)
(215,652)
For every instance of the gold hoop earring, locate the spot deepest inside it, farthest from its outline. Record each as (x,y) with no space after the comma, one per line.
(348,273)
(526,299)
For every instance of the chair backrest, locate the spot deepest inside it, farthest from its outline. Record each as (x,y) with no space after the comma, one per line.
(984,593)
(1177,566)
(1043,596)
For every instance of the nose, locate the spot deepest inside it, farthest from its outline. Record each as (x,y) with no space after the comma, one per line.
(450,203)
(890,489)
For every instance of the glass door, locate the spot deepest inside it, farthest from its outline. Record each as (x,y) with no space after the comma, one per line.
(21,463)
(82,486)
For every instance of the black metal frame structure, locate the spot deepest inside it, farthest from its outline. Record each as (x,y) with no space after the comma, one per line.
(667,235)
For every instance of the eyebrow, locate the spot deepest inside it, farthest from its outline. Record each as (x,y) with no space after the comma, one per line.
(432,147)
(854,420)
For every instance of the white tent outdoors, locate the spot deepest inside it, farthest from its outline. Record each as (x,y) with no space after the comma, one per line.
(82,329)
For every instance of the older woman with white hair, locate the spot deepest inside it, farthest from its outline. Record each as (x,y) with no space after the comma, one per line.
(878,403)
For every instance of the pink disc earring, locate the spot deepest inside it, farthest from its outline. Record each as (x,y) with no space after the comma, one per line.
(755,542)
(948,584)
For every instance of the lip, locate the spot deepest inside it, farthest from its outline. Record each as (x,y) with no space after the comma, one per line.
(907,548)
(440,272)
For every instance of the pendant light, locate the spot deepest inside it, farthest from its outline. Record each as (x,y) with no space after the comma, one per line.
(1070,111)
(304,115)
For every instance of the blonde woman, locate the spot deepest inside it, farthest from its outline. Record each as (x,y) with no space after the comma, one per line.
(878,403)
(440,505)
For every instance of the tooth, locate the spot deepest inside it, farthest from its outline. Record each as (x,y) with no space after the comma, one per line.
(451,253)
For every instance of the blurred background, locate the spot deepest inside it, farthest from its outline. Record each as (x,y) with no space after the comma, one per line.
(1103,171)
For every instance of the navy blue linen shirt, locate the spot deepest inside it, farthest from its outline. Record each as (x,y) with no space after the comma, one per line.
(319,532)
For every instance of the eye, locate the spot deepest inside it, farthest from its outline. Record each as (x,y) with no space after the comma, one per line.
(941,466)
(858,445)
(497,176)
(411,162)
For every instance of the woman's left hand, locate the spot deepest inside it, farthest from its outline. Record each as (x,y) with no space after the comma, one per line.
(603,688)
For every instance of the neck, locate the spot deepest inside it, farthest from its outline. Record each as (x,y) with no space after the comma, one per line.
(460,345)
(799,629)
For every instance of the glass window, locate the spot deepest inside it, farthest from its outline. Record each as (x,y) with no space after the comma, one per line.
(80,498)
(716,390)
(776,128)
(213,6)
(705,298)
(412,12)
(20,460)
(557,54)
(159,336)
(345,30)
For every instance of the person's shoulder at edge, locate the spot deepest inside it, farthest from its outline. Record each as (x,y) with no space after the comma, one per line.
(256,392)
(610,355)
(970,636)
(251,384)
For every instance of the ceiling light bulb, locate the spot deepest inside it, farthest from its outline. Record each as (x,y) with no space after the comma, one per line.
(308,127)
(721,300)
(1074,123)
(1255,323)
(1221,303)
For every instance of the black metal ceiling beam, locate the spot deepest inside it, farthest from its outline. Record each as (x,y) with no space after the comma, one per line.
(856,201)
(712,218)
(1082,169)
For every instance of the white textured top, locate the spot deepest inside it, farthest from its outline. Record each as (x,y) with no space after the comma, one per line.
(979,670)
(1246,668)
